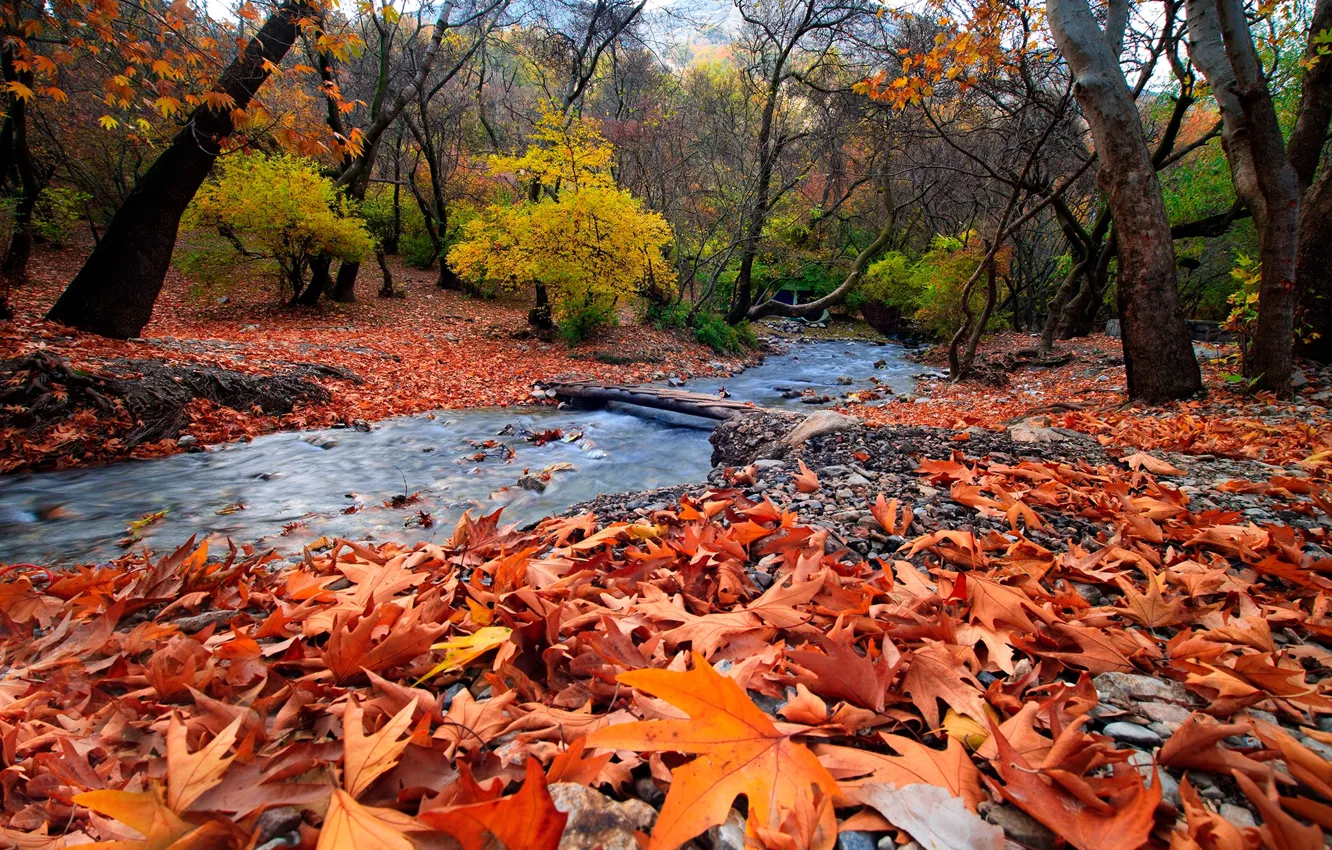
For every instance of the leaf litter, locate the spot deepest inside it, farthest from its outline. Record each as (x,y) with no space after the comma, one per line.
(392,696)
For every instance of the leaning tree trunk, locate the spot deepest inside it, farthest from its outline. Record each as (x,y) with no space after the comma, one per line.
(1158,355)
(113,294)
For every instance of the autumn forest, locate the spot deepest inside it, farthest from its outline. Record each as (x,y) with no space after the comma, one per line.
(709,424)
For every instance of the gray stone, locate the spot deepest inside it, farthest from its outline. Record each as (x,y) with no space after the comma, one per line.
(855,840)
(855,479)
(1237,815)
(1165,713)
(834,471)
(596,820)
(186,440)
(1127,689)
(1021,828)
(1169,785)
(819,424)
(1132,734)
(1297,378)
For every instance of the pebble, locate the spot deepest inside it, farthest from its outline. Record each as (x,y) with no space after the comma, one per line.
(1133,734)
(1128,689)
(1169,785)
(1237,815)
(1021,828)
(855,840)
(187,440)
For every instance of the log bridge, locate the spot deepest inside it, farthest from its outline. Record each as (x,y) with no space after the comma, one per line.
(594,394)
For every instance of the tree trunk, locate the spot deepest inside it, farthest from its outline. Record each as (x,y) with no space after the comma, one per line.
(386,288)
(1158,355)
(1280,188)
(113,294)
(320,281)
(344,289)
(1313,271)
(15,267)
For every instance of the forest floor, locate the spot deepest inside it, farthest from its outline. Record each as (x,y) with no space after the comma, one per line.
(983,602)
(432,349)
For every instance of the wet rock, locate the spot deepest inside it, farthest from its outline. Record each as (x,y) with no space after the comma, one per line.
(1133,734)
(532,482)
(595,820)
(845,380)
(187,440)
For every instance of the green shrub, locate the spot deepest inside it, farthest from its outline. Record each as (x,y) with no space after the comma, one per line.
(585,318)
(929,289)
(58,212)
(712,330)
(416,249)
(709,328)
(668,316)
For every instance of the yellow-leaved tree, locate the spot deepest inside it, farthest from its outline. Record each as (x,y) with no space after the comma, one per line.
(280,210)
(587,241)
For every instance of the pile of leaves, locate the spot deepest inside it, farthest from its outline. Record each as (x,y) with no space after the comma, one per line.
(719,649)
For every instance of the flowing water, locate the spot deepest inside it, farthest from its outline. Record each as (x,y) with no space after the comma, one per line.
(296,487)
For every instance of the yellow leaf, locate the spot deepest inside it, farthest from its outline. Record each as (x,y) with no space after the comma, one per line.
(19,90)
(142,811)
(464,650)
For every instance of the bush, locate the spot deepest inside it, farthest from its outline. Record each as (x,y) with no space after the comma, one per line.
(585,319)
(668,316)
(712,330)
(709,328)
(929,289)
(58,212)
(416,249)
(592,243)
(282,209)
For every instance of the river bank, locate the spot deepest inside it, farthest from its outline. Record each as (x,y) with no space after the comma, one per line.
(409,477)
(429,350)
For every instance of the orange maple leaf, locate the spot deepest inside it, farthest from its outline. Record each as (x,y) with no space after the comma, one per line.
(527,820)
(739,752)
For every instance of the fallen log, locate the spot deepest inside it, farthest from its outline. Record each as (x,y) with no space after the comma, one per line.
(594,394)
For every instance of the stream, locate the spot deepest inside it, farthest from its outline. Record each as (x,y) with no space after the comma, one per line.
(298,486)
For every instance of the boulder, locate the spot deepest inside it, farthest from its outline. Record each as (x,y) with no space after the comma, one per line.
(819,424)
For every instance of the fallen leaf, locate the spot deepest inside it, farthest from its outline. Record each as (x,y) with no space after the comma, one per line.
(738,750)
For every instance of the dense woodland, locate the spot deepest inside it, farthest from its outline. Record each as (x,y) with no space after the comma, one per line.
(951,167)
